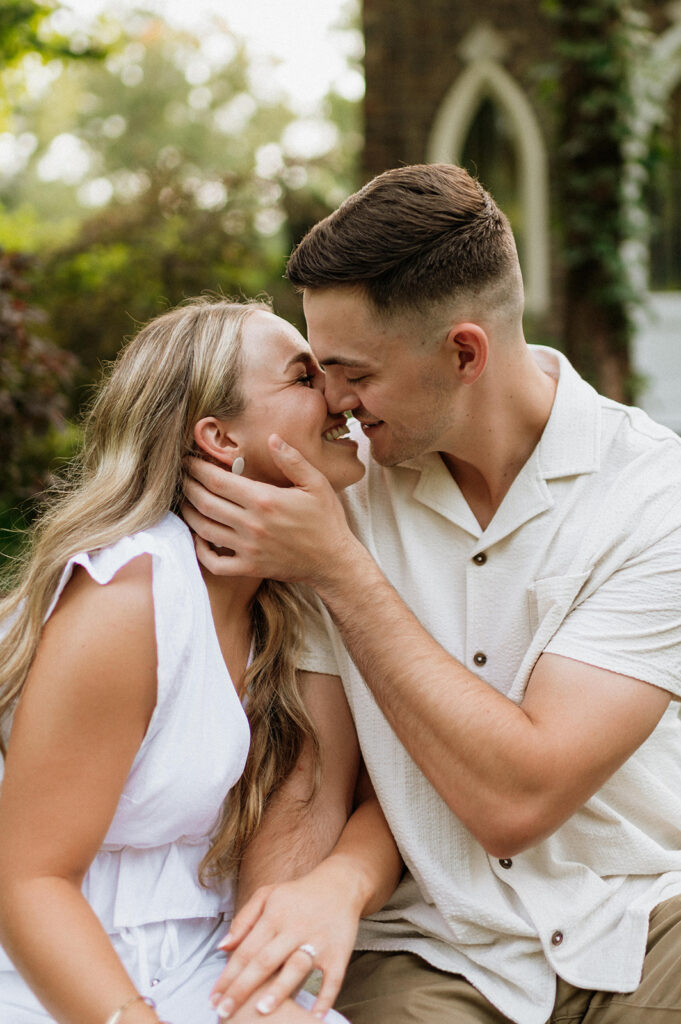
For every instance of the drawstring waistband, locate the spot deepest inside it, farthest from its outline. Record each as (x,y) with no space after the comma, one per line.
(168,956)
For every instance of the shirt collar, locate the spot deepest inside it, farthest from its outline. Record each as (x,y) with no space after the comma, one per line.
(570,443)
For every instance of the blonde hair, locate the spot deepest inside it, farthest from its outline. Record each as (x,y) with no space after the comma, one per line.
(182,366)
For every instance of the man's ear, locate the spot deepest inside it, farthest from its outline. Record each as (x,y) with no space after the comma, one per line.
(213,438)
(468,346)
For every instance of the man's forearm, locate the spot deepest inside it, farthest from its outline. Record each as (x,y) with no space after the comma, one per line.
(512,774)
(463,734)
(287,846)
(368,858)
(486,756)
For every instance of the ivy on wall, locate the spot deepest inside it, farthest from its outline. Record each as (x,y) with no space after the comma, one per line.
(601,167)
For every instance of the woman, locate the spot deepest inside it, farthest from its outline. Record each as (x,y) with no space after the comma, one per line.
(124,667)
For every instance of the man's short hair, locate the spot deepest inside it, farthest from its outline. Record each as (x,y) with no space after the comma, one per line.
(412,236)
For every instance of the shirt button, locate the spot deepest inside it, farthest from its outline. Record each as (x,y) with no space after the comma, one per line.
(480,558)
(506,862)
(479,658)
(155,981)
(556,938)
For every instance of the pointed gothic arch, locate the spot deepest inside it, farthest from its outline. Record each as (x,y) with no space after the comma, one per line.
(485,78)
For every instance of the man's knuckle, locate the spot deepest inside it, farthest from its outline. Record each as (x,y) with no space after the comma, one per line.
(258,533)
(267,505)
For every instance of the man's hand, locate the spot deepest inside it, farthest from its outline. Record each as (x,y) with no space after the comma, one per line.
(246,528)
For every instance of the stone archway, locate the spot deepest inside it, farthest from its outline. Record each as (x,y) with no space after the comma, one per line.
(486,78)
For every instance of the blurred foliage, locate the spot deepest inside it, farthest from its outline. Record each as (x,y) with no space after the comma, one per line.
(22,31)
(164,170)
(34,377)
(25,28)
(157,175)
(600,156)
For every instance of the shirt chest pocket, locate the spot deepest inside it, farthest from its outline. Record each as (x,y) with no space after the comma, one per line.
(550,599)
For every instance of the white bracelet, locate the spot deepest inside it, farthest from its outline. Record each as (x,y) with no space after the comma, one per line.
(117,1014)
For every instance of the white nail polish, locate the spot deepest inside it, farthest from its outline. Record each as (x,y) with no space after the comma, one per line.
(225,1009)
(238,466)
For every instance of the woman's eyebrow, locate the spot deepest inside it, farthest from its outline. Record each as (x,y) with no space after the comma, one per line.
(300,357)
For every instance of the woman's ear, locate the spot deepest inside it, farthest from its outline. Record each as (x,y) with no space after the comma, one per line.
(469,347)
(212,437)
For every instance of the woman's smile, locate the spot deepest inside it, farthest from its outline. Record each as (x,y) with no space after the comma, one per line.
(283,385)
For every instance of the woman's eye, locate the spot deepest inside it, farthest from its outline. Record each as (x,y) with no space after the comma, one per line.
(355,380)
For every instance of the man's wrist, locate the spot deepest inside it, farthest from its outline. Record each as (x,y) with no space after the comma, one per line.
(341,872)
(337,580)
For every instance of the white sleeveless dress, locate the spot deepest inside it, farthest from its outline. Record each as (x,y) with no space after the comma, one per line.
(143,884)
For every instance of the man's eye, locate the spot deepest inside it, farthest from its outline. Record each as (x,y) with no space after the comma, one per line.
(355,380)
(307,379)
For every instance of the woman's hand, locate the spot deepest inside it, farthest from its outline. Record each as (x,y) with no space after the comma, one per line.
(320,910)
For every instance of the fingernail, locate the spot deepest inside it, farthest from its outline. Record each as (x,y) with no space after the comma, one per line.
(223,942)
(225,1008)
(215,999)
(266,1004)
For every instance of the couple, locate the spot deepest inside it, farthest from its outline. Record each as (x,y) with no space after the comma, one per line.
(500,595)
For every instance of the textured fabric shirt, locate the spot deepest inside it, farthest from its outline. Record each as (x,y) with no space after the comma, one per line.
(582,559)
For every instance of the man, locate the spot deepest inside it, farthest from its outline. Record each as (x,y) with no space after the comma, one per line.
(507,586)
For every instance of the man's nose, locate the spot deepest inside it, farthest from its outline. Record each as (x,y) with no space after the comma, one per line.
(340,397)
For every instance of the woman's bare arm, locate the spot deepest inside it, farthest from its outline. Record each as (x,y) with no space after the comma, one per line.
(79,723)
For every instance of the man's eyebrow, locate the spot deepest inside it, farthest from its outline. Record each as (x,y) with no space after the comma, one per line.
(341,361)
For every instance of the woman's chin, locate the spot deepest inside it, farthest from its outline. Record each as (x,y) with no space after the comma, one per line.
(346,477)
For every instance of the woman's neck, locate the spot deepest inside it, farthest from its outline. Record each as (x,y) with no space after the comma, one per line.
(231,599)
(230,596)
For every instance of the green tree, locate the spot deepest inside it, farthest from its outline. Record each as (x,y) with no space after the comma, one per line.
(35,374)
(599,42)
(180,180)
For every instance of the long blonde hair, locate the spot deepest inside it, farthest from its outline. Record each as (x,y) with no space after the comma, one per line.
(182,366)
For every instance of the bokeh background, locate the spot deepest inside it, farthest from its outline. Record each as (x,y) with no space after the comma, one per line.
(147,155)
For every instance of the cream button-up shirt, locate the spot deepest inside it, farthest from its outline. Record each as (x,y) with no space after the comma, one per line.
(582,559)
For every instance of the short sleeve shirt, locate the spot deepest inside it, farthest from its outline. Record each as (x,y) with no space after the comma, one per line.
(582,559)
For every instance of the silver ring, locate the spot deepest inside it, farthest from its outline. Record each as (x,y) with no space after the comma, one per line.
(308,948)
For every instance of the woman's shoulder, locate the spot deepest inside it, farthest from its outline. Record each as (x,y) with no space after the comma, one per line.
(168,539)
(106,615)
(103,637)
(167,542)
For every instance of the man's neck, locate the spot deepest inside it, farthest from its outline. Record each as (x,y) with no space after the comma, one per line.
(505,424)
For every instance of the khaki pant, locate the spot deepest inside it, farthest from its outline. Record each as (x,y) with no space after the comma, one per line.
(400,988)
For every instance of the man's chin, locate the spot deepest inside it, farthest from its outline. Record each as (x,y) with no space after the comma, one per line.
(395,454)
(385,457)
